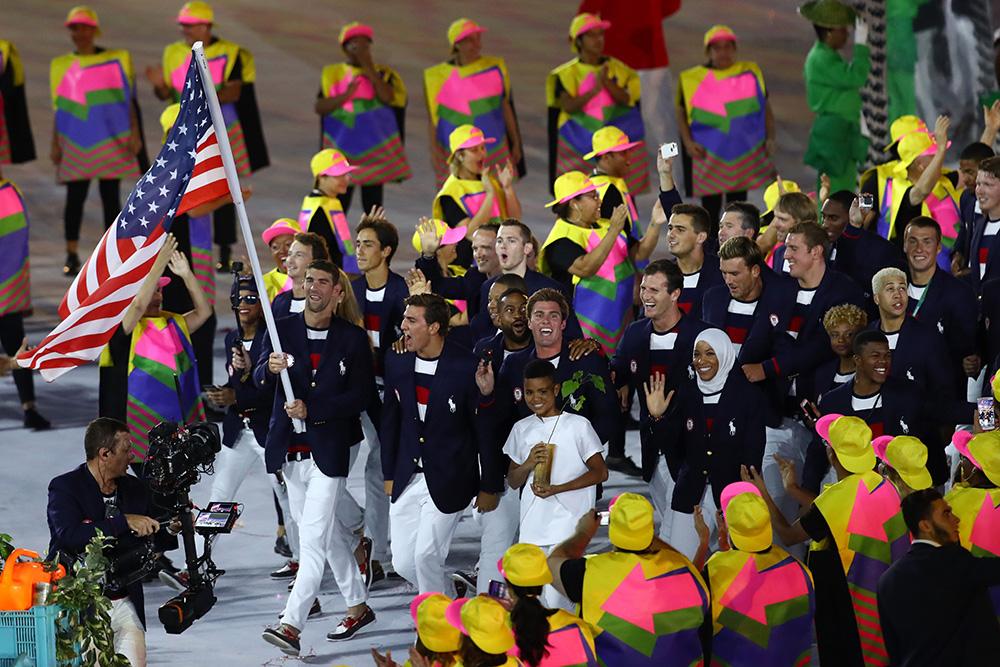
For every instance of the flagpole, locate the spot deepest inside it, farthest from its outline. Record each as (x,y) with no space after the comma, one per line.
(229,165)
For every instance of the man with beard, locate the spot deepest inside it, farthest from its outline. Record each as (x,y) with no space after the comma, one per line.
(963,629)
(512,320)
(660,343)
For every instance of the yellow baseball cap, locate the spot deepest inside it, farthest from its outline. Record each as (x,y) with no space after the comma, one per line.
(851,440)
(903,126)
(435,632)
(462,28)
(330,162)
(719,33)
(771,194)
(483,620)
(82,15)
(748,522)
(525,565)
(355,29)
(569,185)
(915,144)
(195,12)
(446,235)
(279,227)
(467,136)
(908,457)
(168,118)
(995,385)
(609,140)
(985,450)
(586,22)
(631,523)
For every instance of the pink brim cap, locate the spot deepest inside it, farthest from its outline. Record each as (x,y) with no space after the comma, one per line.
(468,32)
(453,614)
(500,568)
(80,19)
(619,148)
(476,141)
(735,489)
(163,281)
(337,170)
(358,31)
(880,444)
(415,604)
(593,25)
(723,36)
(933,148)
(961,441)
(187,19)
(823,425)
(271,232)
(453,235)
(581,191)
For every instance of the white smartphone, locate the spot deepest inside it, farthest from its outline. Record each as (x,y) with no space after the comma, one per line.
(668,150)
(604,518)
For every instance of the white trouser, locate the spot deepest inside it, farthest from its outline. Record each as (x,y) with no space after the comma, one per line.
(421,537)
(658,114)
(499,532)
(316,501)
(661,491)
(129,637)
(233,464)
(684,536)
(376,502)
(789,441)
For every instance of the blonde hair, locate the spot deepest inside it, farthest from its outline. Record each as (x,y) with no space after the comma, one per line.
(845,313)
(885,276)
(348,308)
(799,206)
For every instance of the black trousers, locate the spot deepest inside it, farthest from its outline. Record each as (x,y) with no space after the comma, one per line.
(224,225)
(76,195)
(371,195)
(11,335)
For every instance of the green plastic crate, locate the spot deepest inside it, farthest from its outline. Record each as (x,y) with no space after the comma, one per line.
(31,633)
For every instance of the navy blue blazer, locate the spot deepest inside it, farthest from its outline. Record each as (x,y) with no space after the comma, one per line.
(335,397)
(454,441)
(281,306)
(463,288)
(482,325)
(696,458)
(252,401)
(709,277)
(989,324)
(970,235)
(600,408)
(951,306)
(631,368)
(799,356)
(921,356)
(494,345)
(389,327)
(770,321)
(76,512)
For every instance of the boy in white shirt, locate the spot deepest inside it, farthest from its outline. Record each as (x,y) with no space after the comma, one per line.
(549,513)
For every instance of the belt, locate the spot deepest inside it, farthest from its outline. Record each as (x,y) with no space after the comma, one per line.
(298,456)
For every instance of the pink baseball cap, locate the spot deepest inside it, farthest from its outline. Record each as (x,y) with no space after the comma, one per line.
(735,489)
(355,29)
(823,425)
(163,281)
(960,440)
(879,444)
(453,235)
(279,227)
(462,28)
(453,614)
(415,604)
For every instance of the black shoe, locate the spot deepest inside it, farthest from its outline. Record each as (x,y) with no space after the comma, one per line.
(624,465)
(314,611)
(72,265)
(286,571)
(464,582)
(33,420)
(281,547)
(366,564)
(176,580)
(350,625)
(283,638)
(378,574)
(222,266)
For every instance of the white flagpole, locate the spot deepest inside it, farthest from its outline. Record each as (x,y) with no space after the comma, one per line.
(241,213)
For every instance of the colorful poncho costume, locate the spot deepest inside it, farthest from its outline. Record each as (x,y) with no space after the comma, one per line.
(93,97)
(978,511)
(726,111)
(15,285)
(226,62)
(16,142)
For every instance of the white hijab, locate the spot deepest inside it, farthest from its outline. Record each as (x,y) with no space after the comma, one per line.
(724,350)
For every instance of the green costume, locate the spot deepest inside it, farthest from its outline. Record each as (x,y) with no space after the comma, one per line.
(832,91)
(901,56)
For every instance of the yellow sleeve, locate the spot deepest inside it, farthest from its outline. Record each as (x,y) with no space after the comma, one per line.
(627,78)
(249,72)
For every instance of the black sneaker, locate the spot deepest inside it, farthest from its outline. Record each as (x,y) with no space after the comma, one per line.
(464,582)
(281,547)
(33,420)
(365,566)
(350,625)
(223,265)
(72,265)
(176,580)
(291,584)
(624,465)
(314,611)
(286,571)
(284,638)
(378,574)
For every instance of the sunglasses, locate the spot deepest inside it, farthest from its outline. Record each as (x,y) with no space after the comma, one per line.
(249,299)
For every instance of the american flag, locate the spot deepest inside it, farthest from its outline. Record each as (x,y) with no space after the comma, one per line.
(188,172)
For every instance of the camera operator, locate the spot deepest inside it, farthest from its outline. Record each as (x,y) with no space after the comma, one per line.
(101,495)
